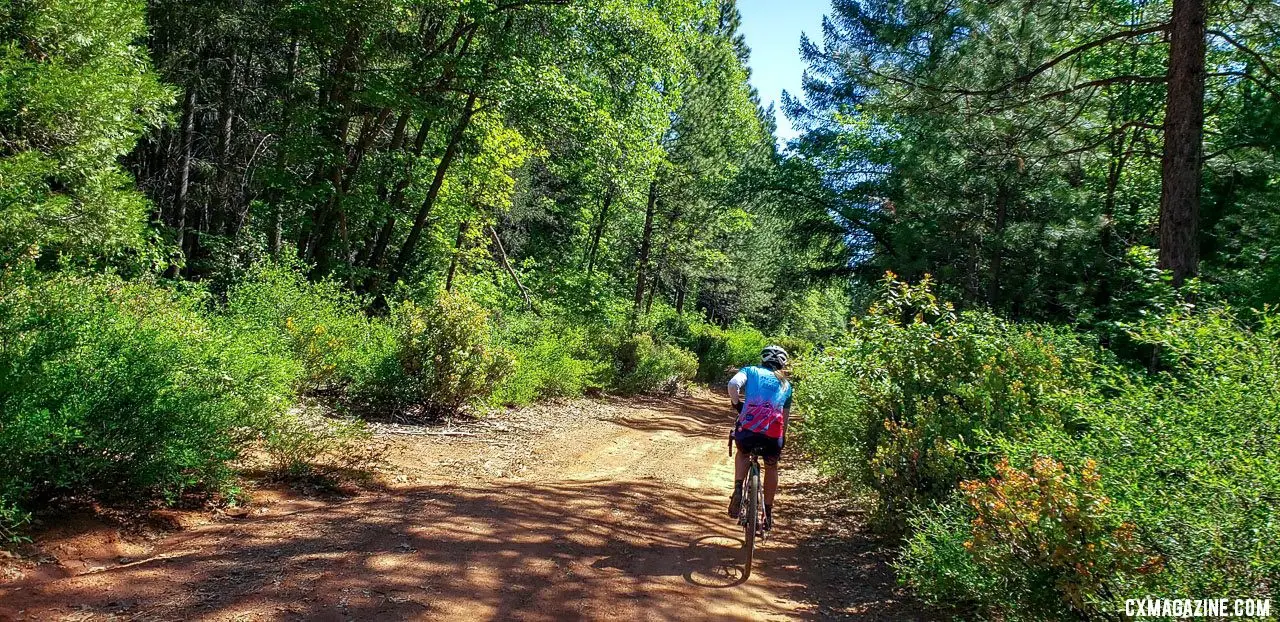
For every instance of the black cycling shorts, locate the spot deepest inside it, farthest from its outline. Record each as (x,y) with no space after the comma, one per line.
(769,448)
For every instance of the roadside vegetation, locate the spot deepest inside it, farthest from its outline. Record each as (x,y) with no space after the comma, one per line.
(1035,474)
(117,388)
(231,234)
(1065,393)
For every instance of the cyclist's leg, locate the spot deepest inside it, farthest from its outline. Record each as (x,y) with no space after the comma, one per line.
(772,452)
(770,480)
(741,462)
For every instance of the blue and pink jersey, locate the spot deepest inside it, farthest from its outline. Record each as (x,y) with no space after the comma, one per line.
(766,401)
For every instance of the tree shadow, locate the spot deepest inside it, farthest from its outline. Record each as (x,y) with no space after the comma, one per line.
(848,566)
(510,550)
(578,550)
(702,415)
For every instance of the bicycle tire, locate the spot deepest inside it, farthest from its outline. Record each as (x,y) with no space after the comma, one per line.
(752,524)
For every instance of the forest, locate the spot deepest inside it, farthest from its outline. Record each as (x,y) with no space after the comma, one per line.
(1025,254)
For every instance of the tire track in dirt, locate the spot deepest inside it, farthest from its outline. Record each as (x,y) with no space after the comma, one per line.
(590,509)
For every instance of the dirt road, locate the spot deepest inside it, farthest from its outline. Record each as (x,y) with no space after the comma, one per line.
(589,509)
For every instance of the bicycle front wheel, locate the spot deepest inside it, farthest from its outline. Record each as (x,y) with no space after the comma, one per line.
(752,525)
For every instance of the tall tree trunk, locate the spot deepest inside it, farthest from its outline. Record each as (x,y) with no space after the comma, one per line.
(397,140)
(681,292)
(344,178)
(370,129)
(184,171)
(286,120)
(451,149)
(419,222)
(450,152)
(380,242)
(184,168)
(655,282)
(393,148)
(1183,130)
(395,204)
(337,114)
(594,248)
(221,210)
(457,254)
(997,251)
(646,243)
(1107,235)
(323,216)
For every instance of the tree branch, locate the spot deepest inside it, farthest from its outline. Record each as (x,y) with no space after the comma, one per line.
(1244,48)
(826,202)
(1043,67)
(506,263)
(1120,129)
(1250,77)
(524,3)
(1125,79)
(1229,148)
(1084,47)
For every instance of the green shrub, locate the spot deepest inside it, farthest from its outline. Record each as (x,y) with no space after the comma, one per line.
(1042,543)
(937,563)
(644,365)
(124,390)
(1045,480)
(552,358)
(321,324)
(12,522)
(1191,455)
(906,403)
(797,347)
(307,445)
(818,316)
(722,351)
(445,359)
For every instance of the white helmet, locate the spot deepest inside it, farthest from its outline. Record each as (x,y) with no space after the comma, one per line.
(773,357)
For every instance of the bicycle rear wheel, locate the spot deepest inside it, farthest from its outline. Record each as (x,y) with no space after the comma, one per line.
(752,525)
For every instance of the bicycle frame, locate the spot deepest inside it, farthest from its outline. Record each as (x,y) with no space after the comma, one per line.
(752,516)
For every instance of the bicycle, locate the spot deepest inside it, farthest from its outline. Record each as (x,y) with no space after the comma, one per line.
(752,515)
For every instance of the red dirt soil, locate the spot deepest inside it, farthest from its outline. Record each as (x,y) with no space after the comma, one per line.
(589,509)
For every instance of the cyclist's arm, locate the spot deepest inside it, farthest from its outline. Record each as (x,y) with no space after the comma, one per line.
(736,384)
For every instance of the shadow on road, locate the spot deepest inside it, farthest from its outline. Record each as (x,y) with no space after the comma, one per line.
(545,551)
(506,550)
(692,416)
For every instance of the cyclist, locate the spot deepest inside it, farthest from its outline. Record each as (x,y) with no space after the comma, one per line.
(761,395)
